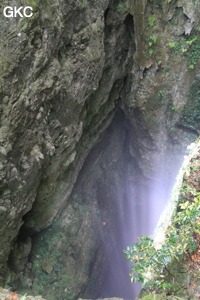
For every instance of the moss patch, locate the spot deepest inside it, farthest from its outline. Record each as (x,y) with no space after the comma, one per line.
(190,116)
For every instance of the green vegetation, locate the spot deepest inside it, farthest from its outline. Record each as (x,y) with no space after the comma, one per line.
(153,297)
(160,93)
(193,51)
(171,44)
(153,38)
(190,116)
(84,4)
(57,265)
(189,47)
(120,7)
(151,20)
(179,241)
(32,3)
(159,297)
(159,99)
(162,266)
(150,52)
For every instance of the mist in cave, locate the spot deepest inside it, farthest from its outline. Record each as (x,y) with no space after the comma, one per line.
(138,213)
(128,204)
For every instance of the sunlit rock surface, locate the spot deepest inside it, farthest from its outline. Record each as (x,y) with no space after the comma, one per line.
(7,295)
(113,298)
(99,100)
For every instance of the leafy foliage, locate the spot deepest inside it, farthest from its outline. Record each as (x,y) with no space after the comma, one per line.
(172,44)
(151,20)
(157,266)
(188,47)
(154,38)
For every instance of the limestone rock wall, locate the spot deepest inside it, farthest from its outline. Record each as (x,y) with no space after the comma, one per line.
(55,103)
(63,74)
(6,294)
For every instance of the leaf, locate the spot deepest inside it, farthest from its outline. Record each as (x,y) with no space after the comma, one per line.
(184,205)
(151,20)
(171,44)
(191,66)
(191,41)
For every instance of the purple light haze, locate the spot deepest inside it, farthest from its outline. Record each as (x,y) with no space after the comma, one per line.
(138,213)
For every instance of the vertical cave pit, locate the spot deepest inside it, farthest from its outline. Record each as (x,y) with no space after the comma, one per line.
(112,203)
(92,154)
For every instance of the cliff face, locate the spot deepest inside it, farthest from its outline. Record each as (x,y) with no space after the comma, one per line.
(118,77)
(176,238)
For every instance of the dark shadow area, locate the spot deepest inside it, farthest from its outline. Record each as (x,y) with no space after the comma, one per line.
(128,206)
(111,205)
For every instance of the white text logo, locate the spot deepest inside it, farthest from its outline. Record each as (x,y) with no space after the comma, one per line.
(13,12)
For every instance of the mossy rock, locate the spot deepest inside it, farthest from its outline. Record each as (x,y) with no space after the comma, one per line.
(190,116)
(175,298)
(152,297)
(32,3)
(159,297)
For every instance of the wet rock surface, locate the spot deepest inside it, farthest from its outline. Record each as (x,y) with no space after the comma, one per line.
(118,80)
